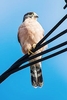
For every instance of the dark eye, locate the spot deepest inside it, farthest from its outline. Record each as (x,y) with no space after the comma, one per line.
(30,16)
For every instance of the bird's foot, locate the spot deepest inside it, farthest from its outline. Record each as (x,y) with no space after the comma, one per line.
(30,52)
(34,45)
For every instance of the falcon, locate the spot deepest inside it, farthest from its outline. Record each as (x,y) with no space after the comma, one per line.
(30,32)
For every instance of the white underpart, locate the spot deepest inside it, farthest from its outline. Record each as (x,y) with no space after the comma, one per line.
(35,73)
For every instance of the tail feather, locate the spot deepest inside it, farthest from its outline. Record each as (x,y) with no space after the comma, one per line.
(36,75)
(40,78)
(33,76)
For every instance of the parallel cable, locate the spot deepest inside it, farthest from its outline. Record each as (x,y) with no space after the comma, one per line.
(16,65)
(52,39)
(5,75)
(21,60)
(42,59)
(48,50)
(24,58)
(53,29)
(47,42)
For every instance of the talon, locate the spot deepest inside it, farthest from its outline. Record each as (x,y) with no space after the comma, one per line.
(34,45)
(30,52)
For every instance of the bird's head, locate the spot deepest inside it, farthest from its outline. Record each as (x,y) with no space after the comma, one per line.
(32,15)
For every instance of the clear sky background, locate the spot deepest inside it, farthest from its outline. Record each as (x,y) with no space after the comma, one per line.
(18,85)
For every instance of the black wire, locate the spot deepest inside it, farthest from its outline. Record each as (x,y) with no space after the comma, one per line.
(52,39)
(42,59)
(5,75)
(48,50)
(25,57)
(53,29)
(14,66)
(47,42)
(65,6)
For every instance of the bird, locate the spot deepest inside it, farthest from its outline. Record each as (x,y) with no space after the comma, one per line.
(30,32)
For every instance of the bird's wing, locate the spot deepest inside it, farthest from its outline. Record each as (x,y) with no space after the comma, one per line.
(30,32)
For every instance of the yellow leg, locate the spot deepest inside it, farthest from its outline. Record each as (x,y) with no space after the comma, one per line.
(29,51)
(34,45)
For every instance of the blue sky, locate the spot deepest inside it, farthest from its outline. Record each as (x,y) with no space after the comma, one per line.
(18,85)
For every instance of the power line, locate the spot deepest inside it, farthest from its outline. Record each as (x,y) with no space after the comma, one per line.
(16,66)
(25,57)
(4,76)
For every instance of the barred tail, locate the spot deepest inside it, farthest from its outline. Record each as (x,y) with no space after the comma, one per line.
(36,75)
(39,75)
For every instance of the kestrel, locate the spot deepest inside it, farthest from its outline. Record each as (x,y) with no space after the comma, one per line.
(30,33)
